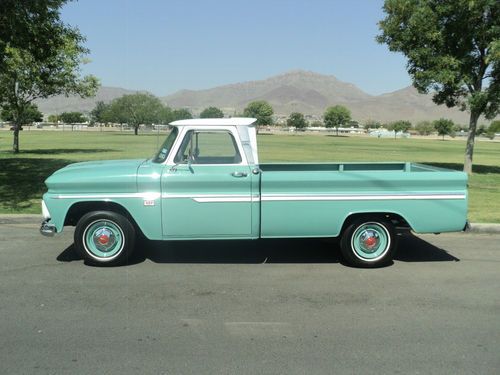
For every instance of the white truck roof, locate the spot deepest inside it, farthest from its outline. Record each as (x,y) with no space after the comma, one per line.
(243,126)
(234,121)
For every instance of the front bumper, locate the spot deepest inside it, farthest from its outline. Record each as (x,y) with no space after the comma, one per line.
(48,229)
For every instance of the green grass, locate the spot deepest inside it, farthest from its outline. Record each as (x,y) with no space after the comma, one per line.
(42,152)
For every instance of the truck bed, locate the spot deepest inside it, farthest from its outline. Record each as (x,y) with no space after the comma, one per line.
(300,199)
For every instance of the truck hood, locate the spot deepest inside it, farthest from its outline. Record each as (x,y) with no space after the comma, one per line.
(96,177)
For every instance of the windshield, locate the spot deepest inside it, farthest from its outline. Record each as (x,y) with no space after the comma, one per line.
(162,154)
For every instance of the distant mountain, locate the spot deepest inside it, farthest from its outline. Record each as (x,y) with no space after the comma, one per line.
(61,103)
(405,104)
(311,93)
(296,91)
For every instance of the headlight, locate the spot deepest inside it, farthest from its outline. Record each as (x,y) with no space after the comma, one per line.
(45,211)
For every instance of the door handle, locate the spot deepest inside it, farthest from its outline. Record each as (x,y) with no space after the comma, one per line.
(239,174)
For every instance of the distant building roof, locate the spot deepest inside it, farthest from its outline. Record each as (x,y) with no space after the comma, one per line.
(235,121)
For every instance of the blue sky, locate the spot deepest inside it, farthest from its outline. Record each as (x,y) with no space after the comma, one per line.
(165,46)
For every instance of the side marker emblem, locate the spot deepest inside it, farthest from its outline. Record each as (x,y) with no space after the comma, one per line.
(149,202)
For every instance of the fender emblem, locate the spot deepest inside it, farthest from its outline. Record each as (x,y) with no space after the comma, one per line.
(149,202)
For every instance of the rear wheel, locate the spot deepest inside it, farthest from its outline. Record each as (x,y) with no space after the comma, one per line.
(104,238)
(368,242)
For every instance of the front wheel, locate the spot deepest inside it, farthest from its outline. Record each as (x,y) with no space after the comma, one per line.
(368,242)
(104,238)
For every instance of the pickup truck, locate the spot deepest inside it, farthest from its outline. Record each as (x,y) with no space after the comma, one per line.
(206,182)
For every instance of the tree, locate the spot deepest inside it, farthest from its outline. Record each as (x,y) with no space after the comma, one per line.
(444,127)
(261,110)
(453,50)
(212,112)
(493,129)
(27,74)
(100,113)
(53,118)
(317,124)
(181,114)
(424,128)
(336,116)
(166,115)
(30,115)
(72,118)
(400,126)
(297,120)
(32,26)
(372,124)
(135,109)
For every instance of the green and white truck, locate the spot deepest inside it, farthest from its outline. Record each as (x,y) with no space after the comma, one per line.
(206,182)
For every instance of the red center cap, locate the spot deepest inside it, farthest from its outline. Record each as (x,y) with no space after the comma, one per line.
(370,241)
(103,239)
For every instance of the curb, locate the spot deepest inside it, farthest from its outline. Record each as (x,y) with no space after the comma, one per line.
(484,228)
(37,219)
(21,219)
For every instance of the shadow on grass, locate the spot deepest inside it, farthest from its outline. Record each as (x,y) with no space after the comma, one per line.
(58,151)
(21,180)
(411,249)
(479,169)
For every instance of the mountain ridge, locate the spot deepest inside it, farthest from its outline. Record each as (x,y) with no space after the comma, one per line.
(294,91)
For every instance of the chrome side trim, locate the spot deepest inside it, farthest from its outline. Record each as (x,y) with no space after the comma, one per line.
(213,198)
(210,198)
(226,199)
(360,197)
(148,196)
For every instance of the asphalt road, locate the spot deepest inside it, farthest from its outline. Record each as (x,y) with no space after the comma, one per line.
(261,307)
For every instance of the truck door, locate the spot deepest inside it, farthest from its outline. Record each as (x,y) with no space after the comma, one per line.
(208,193)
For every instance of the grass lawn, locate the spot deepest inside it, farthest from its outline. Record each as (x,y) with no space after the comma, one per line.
(42,152)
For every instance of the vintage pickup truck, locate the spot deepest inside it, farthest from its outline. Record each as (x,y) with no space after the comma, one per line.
(206,182)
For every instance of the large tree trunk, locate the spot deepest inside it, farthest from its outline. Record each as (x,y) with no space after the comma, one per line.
(469,148)
(15,144)
(136,129)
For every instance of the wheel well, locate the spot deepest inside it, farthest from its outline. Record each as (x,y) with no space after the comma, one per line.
(398,221)
(77,210)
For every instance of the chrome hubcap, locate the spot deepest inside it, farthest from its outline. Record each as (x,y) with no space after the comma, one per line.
(104,239)
(369,240)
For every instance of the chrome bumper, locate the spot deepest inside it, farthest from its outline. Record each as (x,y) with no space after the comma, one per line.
(48,229)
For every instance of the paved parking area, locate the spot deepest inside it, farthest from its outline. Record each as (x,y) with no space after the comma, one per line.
(249,307)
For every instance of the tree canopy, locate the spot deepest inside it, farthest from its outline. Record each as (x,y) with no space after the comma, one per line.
(99,113)
(424,128)
(400,126)
(372,124)
(134,110)
(34,27)
(72,117)
(493,129)
(336,116)
(261,110)
(453,51)
(40,57)
(444,127)
(30,115)
(297,121)
(181,114)
(212,112)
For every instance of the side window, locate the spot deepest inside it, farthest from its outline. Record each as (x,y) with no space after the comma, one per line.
(217,147)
